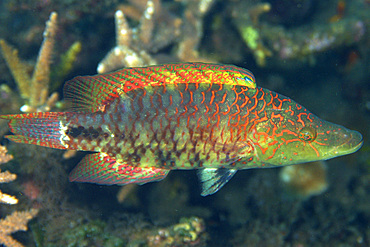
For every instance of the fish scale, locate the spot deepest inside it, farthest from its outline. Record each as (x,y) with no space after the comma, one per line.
(168,126)
(143,122)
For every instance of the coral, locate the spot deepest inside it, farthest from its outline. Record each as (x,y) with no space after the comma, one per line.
(34,89)
(122,54)
(4,157)
(157,29)
(17,221)
(17,68)
(40,77)
(93,233)
(251,33)
(280,36)
(65,65)
(305,180)
(125,229)
(188,232)
(6,177)
(252,210)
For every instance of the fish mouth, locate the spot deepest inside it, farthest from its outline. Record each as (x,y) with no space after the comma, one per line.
(353,142)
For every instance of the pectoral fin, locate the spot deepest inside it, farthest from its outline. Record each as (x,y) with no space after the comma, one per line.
(100,168)
(213,179)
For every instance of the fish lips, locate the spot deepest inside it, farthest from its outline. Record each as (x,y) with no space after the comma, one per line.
(353,141)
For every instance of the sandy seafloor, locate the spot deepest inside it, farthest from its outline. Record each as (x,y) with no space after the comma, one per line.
(254,208)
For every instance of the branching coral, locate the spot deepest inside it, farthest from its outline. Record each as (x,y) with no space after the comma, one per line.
(17,221)
(35,90)
(265,38)
(6,177)
(122,54)
(158,28)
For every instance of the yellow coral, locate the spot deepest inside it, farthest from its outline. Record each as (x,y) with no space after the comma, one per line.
(250,36)
(65,65)
(17,221)
(35,89)
(17,68)
(6,177)
(305,180)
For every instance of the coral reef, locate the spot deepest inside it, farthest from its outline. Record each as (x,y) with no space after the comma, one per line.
(305,180)
(188,232)
(6,177)
(34,89)
(122,230)
(296,41)
(316,52)
(252,36)
(157,29)
(93,233)
(17,221)
(122,55)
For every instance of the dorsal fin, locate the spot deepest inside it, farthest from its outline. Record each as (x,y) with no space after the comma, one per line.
(198,73)
(92,93)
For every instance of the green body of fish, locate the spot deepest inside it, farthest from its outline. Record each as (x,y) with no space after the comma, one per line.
(144,122)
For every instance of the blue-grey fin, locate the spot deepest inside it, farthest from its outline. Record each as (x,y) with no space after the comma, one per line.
(213,179)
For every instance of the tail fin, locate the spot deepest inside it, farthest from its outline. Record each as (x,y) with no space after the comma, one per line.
(41,128)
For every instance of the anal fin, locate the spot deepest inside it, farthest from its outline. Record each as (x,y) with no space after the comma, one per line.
(100,168)
(213,179)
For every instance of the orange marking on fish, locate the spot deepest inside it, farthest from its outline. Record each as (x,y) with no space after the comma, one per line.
(223,98)
(299,116)
(204,98)
(212,98)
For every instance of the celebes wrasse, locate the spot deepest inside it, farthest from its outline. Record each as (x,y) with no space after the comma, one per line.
(143,122)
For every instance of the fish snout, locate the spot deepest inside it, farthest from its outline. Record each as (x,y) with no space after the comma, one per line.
(355,141)
(349,141)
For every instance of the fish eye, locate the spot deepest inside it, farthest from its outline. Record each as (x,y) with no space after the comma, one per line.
(307,134)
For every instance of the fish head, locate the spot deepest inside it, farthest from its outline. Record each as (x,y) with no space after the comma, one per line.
(290,134)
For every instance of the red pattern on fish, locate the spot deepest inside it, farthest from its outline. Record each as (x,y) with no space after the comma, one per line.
(144,122)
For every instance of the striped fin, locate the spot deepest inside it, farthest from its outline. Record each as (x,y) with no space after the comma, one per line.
(90,93)
(188,73)
(214,179)
(100,168)
(93,93)
(202,73)
(41,128)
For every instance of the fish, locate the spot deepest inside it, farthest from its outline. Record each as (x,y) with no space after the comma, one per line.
(142,122)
